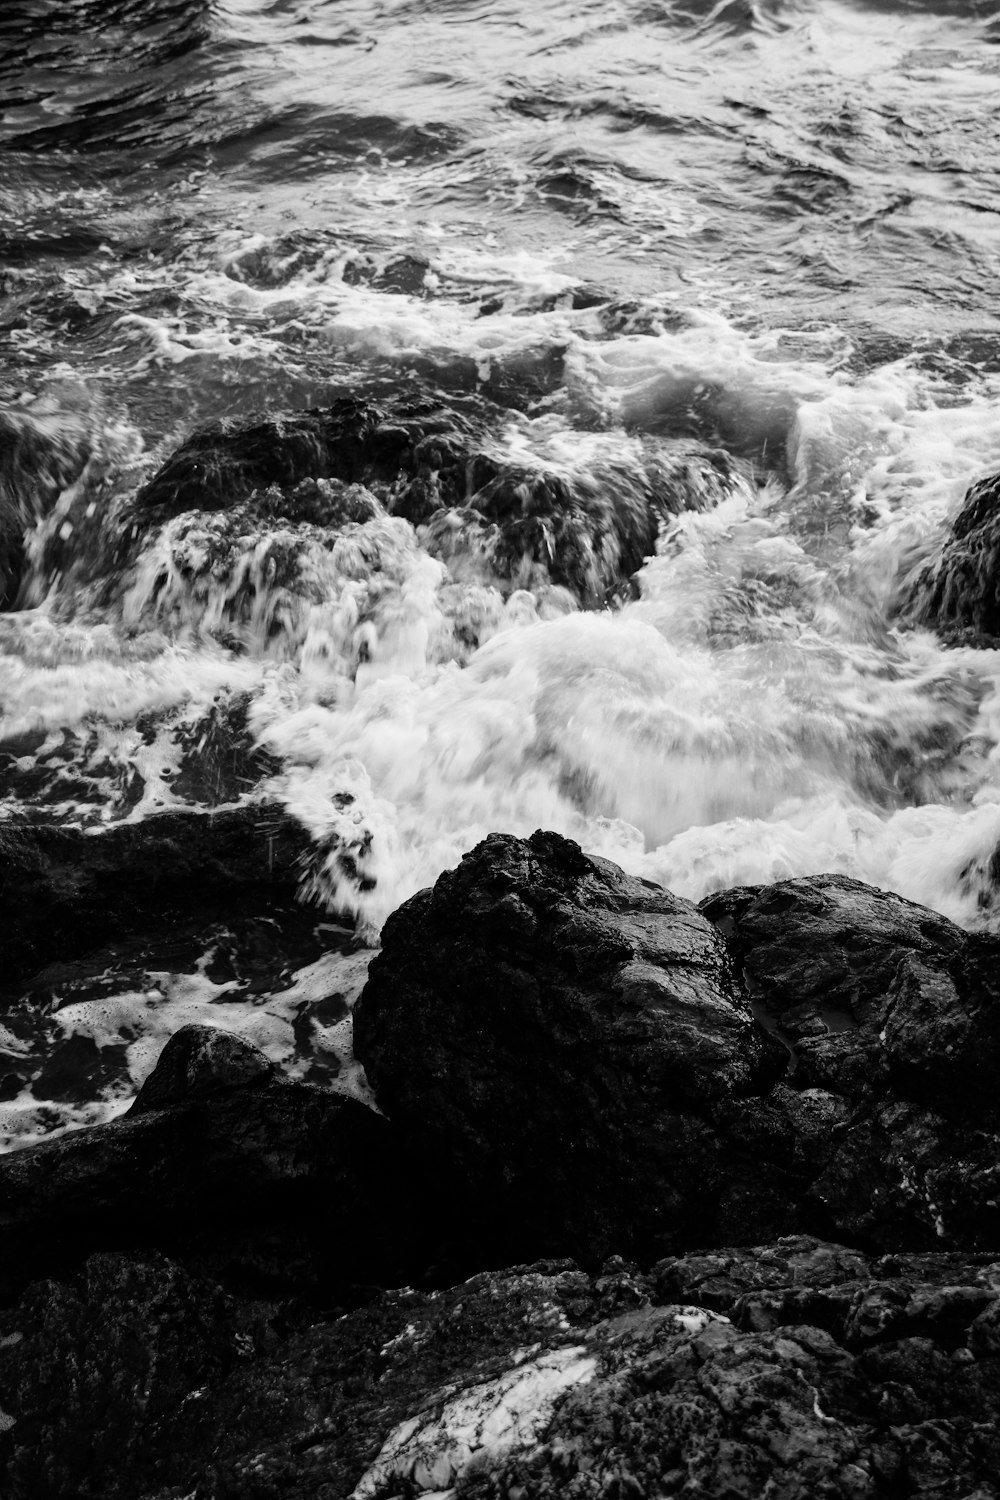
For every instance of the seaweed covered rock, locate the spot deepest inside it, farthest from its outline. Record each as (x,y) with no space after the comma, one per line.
(793,1369)
(556,1036)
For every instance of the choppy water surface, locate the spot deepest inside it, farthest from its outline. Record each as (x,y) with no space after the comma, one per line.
(752,246)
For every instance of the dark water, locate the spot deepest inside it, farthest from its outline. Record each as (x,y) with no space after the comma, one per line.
(749,247)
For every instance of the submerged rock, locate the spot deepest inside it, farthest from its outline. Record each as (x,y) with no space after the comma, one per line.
(795,1369)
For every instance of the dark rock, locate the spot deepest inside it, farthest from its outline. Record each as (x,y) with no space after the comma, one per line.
(64,891)
(42,452)
(960,593)
(219,762)
(556,1035)
(61,450)
(199,1061)
(873,995)
(826,939)
(224,1163)
(894,1011)
(355,441)
(434,462)
(589,530)
(255,947)
(574,1056)
(135,1378)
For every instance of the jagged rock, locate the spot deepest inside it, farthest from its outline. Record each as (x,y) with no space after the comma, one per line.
(229,1165)
(355,441)
(896,1011)
(64,891)
(960,593)
(578,1109)
(434,461)
(556,1035)
(793,1370)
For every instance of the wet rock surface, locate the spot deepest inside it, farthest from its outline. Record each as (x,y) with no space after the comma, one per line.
(892,1010)
(225,1162)
(580,1054)
(203,1297)
(444,466)
(557,1036)
(794,1370)
(959,595)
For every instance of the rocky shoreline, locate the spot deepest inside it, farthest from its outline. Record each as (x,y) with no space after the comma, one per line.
(658,1200)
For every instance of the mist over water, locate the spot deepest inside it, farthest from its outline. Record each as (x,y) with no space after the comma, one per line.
(707,290)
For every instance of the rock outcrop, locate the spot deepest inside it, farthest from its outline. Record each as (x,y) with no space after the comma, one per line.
(894,1011)
(579,1054)
(443,465)
(198,1297)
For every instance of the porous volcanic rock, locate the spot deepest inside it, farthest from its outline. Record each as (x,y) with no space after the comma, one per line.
(556,1036)
(793,1370)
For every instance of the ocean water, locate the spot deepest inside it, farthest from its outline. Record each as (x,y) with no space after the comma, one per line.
(733,265)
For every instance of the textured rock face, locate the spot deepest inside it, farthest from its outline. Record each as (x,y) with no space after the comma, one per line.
(576,1054)
(894,1011)
(795,1370)
(441,463)
(557,1035)
(960,594)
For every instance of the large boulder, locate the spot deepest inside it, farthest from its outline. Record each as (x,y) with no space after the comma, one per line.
(556,1036)
(895,1011)
(794,1370)
(64,890)
(589,1069)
